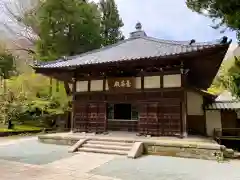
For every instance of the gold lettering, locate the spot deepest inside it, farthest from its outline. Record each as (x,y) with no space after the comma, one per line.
(116,84)
(123,83)
(128,83)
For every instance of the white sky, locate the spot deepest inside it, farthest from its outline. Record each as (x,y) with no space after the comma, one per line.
(167,19)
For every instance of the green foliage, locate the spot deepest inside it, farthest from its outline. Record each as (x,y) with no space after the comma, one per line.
(62,28)
(222,81)
(224,12)
(234,78)
(67,27)
(228,78)
(111,22)
(29,93)
(7,62)
(18,128)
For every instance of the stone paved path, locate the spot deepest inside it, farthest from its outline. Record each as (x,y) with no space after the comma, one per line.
(75,167)
(87,166)
(169,168)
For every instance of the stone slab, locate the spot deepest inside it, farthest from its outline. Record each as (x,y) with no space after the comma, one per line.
(75,147)
(136,150)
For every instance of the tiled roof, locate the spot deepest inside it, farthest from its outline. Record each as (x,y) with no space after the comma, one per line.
(231,105)
(130,49)
(226,96)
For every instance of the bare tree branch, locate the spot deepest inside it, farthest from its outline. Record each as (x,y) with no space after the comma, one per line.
(18,11)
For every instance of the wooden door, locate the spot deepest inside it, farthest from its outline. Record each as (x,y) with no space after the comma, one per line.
(142,122)
(148,119)
(152,119)
(96,117)
(80,117)
(169,117)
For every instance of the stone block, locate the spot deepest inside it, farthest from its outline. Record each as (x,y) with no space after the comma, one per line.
(189,152)
(136,150)
(228,153)
(75,147)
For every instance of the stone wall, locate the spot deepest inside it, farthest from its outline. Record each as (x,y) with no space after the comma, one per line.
(59,140)
(187,152)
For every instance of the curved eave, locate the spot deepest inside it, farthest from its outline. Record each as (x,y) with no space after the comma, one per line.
(203,64)
(63,64)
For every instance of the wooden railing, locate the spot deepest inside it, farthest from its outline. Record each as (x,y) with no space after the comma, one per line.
(226,134)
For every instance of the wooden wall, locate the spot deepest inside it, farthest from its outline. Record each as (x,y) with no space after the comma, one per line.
(196,121)
(159,112)
(149,82)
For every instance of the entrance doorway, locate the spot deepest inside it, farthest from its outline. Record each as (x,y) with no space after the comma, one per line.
(122,111)
(122,117)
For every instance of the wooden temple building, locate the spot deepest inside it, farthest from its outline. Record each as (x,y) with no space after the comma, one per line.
(142,84)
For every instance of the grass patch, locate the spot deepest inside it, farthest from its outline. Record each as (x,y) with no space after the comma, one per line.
(18,128)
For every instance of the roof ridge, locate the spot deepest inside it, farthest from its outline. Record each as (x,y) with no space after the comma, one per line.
(164,41)
(182,43)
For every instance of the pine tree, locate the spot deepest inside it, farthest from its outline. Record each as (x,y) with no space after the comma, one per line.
(110,22)
(66,28)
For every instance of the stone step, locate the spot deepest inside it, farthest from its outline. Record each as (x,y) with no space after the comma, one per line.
(104,151)
(104,146)
(113,140)
(114,143)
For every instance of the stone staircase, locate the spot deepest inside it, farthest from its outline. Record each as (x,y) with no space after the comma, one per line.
(106,146)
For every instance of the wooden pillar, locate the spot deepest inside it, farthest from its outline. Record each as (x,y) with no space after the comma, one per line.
(73,104)
(105,101)
(184,132)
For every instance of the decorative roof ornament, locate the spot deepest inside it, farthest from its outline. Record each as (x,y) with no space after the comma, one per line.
(192,41)
(138,26)
(139,32)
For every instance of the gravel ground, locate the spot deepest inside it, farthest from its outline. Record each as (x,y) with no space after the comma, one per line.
(30,151)
(28,159)
(169,168)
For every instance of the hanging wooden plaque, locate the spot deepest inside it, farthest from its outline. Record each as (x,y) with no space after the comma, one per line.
(121,84)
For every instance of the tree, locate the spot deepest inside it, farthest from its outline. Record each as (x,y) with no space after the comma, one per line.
(233,78)
(23,28)
(228,78)
(110,22)
(29,93)
(66,28)
(223,12)
(7,62)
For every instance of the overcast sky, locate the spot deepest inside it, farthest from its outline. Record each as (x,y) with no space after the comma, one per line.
(167,19)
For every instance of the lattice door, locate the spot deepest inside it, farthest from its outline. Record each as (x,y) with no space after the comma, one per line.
(152,119)
(148,120)
(80,117)
(97,117)
(169,116)
(142,122)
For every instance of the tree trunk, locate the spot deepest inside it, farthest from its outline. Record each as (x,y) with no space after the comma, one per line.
(5,120)
(57,86)
(67,88)
(50,88)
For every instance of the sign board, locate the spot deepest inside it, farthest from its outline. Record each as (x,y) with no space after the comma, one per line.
(121,84)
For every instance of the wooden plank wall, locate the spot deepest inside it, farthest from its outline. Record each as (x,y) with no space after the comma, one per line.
(159,113)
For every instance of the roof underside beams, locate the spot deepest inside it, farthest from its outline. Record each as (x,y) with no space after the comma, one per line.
(203,69)
(234,105)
